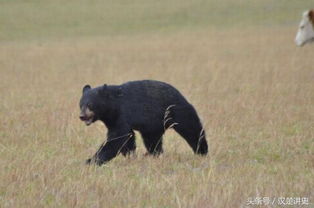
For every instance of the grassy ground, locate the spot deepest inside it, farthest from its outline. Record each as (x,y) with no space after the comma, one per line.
(253,89)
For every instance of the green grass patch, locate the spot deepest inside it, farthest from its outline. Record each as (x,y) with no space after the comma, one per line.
(35,19)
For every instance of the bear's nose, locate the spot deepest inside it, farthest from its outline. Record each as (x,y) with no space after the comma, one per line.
(82,117)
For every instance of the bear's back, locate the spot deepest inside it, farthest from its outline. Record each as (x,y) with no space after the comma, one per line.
(144,103)
(151,91)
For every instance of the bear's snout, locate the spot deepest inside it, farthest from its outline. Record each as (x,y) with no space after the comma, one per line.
(87,116)
(83,118)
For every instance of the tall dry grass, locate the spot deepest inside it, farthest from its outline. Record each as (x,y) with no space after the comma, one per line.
(252,88)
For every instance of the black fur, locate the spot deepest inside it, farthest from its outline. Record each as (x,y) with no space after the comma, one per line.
(149,107)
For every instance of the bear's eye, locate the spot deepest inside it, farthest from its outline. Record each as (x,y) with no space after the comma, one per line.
(89,105)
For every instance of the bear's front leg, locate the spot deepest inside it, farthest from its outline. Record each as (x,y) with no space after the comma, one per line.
(111,149)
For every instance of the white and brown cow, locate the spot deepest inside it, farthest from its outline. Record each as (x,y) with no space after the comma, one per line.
(306,29)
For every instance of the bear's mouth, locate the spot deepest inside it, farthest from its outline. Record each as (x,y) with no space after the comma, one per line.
(87,116)
(87,120)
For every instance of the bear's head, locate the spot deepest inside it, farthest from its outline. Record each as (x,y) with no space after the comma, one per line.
(98,103)
(87,105)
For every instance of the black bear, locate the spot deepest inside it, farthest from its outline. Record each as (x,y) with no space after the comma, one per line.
(148,106)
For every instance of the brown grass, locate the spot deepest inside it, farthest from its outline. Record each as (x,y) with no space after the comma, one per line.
(253,89)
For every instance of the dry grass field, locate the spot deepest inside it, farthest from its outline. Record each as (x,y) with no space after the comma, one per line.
(252,87)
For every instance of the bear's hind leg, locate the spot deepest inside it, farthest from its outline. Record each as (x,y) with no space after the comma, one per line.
(196,139)
(153,143)
(190,128)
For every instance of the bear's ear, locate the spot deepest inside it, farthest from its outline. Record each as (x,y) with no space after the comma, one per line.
(86,87)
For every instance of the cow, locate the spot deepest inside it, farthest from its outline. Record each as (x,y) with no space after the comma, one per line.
(305,32)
